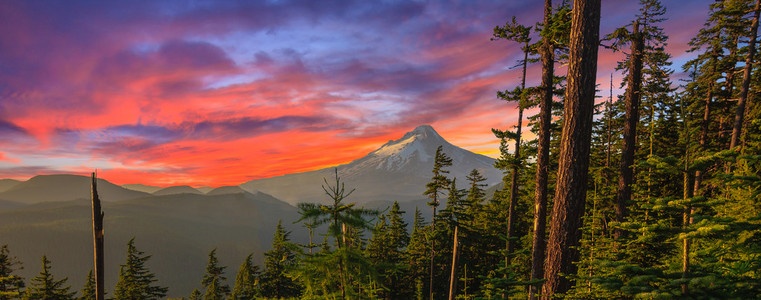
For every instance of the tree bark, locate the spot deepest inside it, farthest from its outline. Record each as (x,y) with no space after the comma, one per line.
(453,274)
(740,111)
(97,232)
(543,154)
(573,166)
(511,216)
(633,94)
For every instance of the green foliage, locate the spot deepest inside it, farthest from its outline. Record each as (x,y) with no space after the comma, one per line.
(88,292)
(345,271)
(213,280)
(439,182)
(247,280)
(135,280)
(416,255)
(386,251)
(195,295)
(44,286)
(275,282)
(10,284)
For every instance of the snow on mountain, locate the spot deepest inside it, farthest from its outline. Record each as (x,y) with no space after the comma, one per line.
(398,170)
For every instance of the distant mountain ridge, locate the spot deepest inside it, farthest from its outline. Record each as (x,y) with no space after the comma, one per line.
(6,184)
(398,170)
(174,190)
(53,188)
(142,188)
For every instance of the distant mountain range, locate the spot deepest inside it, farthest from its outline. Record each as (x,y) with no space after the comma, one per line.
(179,225)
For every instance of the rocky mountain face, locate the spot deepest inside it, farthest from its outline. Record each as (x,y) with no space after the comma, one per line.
(398,170)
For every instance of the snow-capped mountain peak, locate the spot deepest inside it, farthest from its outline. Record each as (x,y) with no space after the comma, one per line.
(414,145)
(398,170)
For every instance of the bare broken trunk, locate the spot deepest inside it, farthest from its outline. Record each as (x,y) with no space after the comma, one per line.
(97,232)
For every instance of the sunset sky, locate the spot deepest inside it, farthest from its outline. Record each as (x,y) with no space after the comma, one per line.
(222,92)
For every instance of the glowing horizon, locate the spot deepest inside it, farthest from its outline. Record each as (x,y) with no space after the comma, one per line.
(215,94)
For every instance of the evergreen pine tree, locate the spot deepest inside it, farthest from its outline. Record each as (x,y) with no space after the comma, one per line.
(247,280)
(439,182)
(416,256)
(476,194)
(381,252)
(88,292)
(195,295)
(520,34)
(44,286)
(554,34)
(345,224)
(275,282)
(135,280)
(570,195)
(213,280)
(398,227)
(386,250)
(10,284)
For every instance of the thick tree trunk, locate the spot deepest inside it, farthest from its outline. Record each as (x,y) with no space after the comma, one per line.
(573,166)
(97,232)
(543,156)
(633,94)
(740,111)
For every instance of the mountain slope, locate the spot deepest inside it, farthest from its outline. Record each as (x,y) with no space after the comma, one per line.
(6,184)
(204,189)
(398,170)
(177,230)
(226,190)
(142,188)
(50,188)
(174,190)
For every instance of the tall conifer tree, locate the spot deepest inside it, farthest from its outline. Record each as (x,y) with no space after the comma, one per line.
(135,280)
(213,280)
(247,280)
(10,283)
(570,194)
(45,286)
(439,183)
(274,281)
(88,292)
